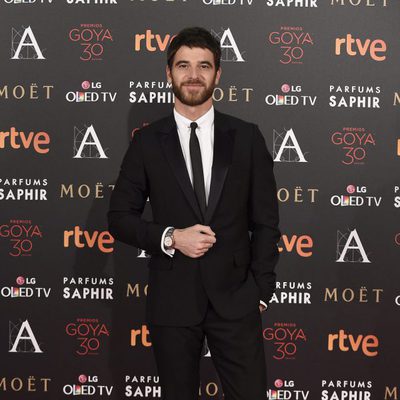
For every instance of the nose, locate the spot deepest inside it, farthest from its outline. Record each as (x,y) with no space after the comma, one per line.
(193,73)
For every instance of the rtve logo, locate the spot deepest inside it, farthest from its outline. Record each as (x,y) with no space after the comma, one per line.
(345,342)
(300,244)
(39,141)
(361,47)
(160,43)
(83,239)
(142,335)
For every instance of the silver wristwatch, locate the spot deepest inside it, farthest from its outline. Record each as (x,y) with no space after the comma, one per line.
(169,238)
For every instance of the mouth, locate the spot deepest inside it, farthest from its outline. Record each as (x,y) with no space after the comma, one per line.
(193,85)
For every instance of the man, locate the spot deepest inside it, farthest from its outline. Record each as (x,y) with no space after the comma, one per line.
(209,178)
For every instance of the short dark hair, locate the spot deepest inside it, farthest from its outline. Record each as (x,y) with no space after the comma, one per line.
(194,37)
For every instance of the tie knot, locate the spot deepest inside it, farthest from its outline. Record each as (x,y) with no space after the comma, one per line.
(193,125)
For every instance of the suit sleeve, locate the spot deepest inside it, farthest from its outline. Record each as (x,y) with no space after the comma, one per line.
(263,217)
(128,200)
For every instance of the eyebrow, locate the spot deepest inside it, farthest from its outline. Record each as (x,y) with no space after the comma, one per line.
(187,62)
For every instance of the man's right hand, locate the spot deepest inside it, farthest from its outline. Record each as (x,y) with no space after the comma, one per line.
(195,240)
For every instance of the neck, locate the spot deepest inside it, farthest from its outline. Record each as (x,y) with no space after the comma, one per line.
(193,112)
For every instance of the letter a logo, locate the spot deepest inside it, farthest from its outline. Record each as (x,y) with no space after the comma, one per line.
(288,150)
(23,343)
(355,249)
(91,142)
(27,43)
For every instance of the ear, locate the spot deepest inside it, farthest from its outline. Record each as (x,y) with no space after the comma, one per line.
(168,73)
(218,75)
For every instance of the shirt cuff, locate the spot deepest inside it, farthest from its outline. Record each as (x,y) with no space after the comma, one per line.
(265,305)
(170,252)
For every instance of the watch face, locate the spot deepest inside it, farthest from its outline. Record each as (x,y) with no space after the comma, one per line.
(168,241)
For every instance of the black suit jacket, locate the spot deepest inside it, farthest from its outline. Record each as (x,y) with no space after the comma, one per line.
(238,270)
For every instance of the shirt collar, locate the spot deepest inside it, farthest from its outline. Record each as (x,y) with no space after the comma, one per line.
(204,122)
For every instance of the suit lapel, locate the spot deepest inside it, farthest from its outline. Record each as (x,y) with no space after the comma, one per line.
(222,158)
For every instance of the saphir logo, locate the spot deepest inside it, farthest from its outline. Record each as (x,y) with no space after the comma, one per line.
(89,333)
(88,288)
(92,39)
(142,386)
(293,42)
(396,199)
(346,389)
(28,189)
(292,3)
(285,337)
(292,293)
(149,92)
(354,96)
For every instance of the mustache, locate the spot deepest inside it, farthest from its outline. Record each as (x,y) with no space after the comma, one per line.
(193,82)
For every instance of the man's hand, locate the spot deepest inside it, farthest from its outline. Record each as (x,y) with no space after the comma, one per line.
(261,307)
(195,240)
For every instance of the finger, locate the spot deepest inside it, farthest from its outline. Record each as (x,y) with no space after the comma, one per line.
(208,239)
(204,249)
(206,229)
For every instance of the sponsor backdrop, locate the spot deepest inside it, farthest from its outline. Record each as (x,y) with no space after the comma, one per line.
(79,77)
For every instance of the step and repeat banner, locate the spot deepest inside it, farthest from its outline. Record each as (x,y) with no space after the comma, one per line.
(79,77)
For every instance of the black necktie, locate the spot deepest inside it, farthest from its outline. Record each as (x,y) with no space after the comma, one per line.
(197,168)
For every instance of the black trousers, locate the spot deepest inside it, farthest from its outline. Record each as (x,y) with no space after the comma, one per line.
(236,348)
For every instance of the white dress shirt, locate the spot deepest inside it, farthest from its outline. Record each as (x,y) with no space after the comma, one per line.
(205,135)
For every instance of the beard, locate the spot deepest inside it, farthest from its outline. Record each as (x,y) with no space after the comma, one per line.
(192,97)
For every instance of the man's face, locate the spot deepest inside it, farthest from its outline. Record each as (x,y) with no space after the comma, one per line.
(193,75)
